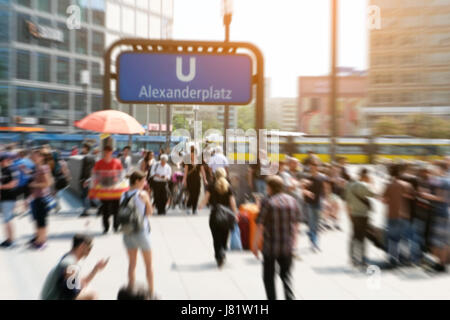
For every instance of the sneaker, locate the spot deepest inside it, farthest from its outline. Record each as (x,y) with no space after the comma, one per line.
(6,244)
(32,240)
(84,215)
(188,212)
(40,246)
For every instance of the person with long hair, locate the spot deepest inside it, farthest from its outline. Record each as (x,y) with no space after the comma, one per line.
(139,240)
(145,166)
(193,174)
(219,193)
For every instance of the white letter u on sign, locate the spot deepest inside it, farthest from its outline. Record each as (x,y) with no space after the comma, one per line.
(192,66)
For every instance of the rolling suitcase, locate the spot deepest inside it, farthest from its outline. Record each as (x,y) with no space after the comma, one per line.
(244,227)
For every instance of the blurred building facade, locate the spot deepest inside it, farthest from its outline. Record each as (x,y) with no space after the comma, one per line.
(50,74)
(281,114)
(313,116)
(409,58)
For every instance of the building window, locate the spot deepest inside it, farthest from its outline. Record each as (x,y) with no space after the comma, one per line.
(23,67)
(142,4)
(155,6)
(4,26)
(4,64)
(81,42)
(98,44)
(45,42)
(155,27)
(63,70)
(25,3)
(98,12)
(128,21)
(65,46)
(44,67)
(80,106)
(142,25)
(44,5)
(96,76)
(113,17)
(80,66)
(4,101)
(62,7)
(23,35)
(96,103)
(83,4)
(25,102)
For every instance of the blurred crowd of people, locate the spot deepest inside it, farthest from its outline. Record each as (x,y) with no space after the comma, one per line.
(416,198)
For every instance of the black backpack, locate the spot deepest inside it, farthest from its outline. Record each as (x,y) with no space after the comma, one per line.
(129,217)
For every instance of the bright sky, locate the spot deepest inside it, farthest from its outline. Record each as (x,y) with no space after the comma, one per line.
(294,35)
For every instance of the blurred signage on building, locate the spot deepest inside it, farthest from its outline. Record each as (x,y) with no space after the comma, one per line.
(155,127)
(313,104)
(45,32)
(184,78)
(26,120)
(54,122)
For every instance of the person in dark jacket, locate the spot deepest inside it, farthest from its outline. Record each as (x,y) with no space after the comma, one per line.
(87,164)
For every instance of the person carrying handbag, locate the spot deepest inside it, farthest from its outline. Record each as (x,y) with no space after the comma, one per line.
(223,206)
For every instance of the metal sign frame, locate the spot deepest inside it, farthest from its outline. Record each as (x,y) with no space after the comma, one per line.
(186,102)
(186,47)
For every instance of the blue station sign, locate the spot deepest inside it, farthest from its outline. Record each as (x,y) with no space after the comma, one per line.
(182,78)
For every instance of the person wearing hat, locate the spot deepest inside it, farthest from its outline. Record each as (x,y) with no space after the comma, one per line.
(108,169)
(9,181)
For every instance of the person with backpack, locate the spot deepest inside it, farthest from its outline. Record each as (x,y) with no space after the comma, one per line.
(135,208)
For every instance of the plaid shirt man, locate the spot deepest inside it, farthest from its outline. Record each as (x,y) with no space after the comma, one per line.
(279,214)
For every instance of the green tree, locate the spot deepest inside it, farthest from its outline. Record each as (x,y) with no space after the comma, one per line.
(246,117)
(179,122)
(427,126)
(388,126)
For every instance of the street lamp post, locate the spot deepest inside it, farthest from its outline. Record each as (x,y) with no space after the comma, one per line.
(227,18)
(333,80)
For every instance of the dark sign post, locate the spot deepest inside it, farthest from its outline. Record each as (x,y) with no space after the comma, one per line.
(185,72)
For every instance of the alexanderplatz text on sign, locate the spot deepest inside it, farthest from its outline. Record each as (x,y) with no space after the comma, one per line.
(185,72)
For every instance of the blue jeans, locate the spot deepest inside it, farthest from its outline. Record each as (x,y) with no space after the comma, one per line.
(85,199)
(398,231)
(417,238)
(260,185)
(313,222)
